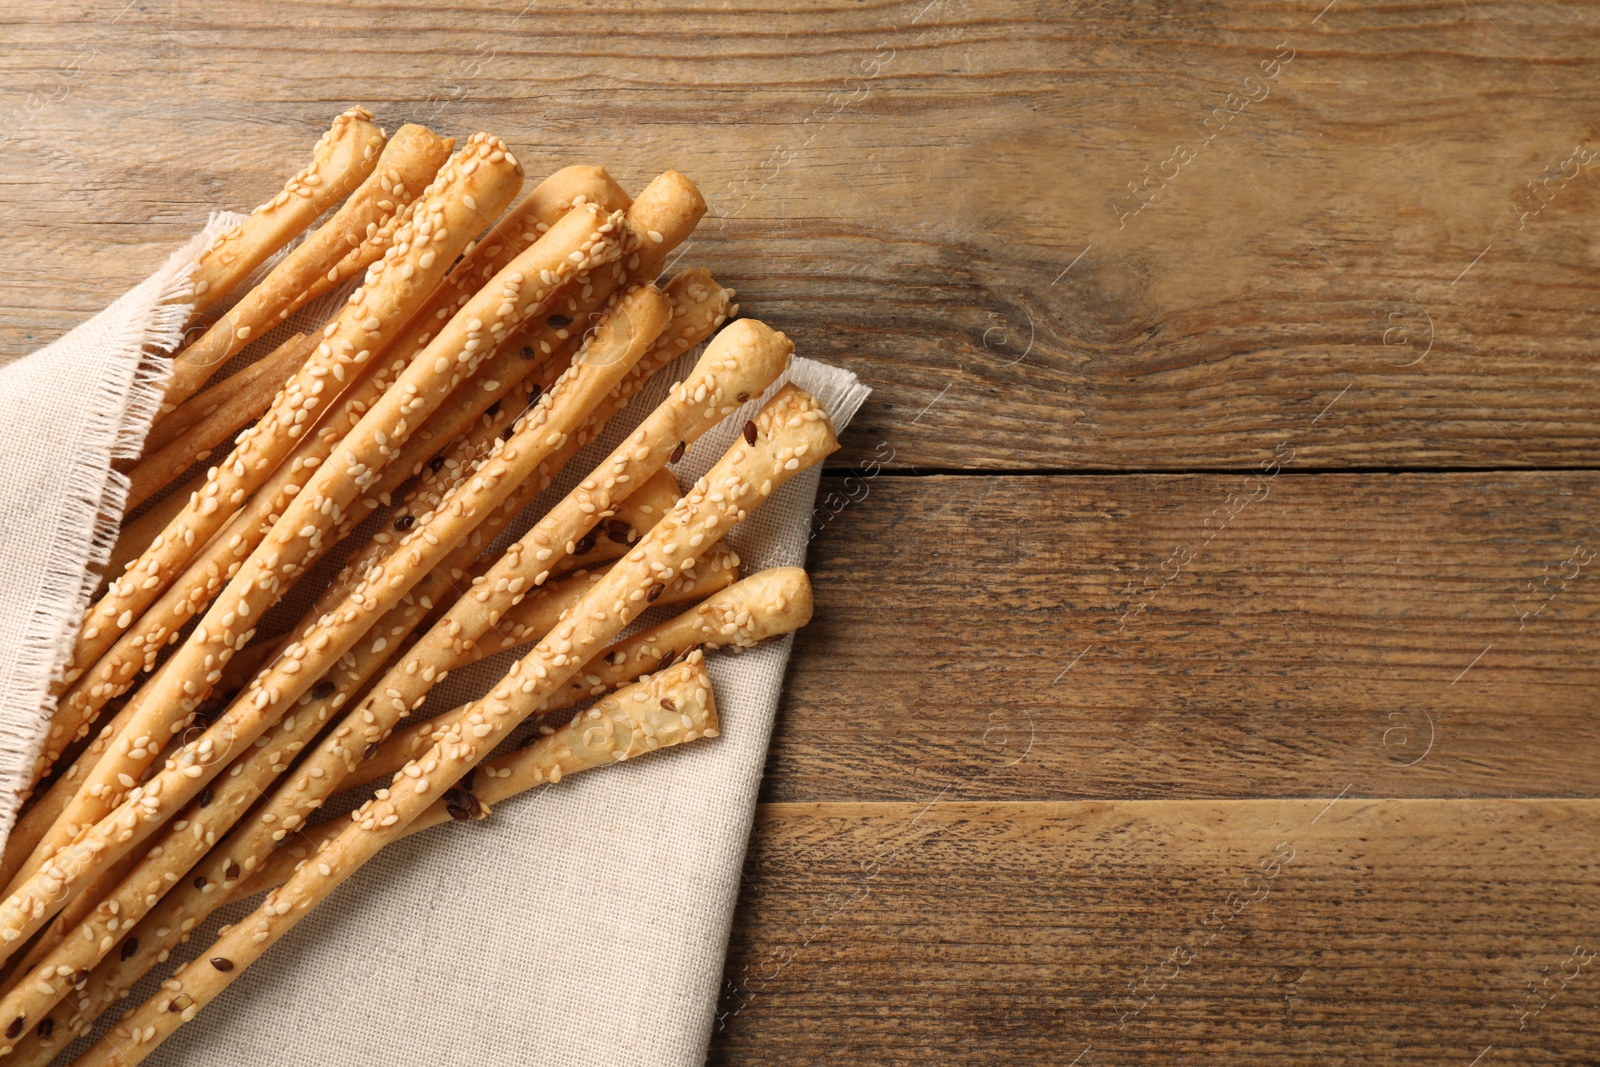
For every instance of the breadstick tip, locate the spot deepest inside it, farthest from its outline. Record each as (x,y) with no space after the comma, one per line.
(572,186)
(746,356)
(666,211)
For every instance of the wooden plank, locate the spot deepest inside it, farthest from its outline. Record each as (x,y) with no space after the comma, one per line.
(904,193)
(1164,932)
(1338,631)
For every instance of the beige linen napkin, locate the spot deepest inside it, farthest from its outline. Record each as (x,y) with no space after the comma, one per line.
(580,924)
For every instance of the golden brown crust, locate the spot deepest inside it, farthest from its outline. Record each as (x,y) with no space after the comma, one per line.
(450,206)
(669,208)
(699,307)
(541,612)
(373,315)
(342,159)
(244,404)
(742,361)
(670,707)
(150,884)
(409,162)
(171,426)
(790,433)
(239,854)
(271,500)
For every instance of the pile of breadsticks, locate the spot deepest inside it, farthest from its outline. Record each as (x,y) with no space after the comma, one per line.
(188,754)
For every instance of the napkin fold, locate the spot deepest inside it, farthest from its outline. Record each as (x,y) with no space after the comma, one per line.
(582,923)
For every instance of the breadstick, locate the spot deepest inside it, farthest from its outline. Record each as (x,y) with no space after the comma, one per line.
(387,297)
(750,359)
(697,312)
(740,362)
(548,202)
(37,819)
(409,162)
(539,612)
(612,350)
(678,707)
(136,650)
(197,409)
(51,974)
(394,287)
(136,534)
(195,442)
(790,433)
(392,628)
(544,206)
(464,456)
(537,616)
(481,177)
(699,307)
(745,363)
(242,851)
(670,201)
(584,235)
(206,577)
(661,218)
(342,159)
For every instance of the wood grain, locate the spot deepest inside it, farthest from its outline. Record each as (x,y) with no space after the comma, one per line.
(1315,640)
(987,211)
(1181,932)
(905,193)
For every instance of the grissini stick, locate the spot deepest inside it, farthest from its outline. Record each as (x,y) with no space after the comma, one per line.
(678,707)
(240,852)
(637,512)
(93,925)
(698,310)
(136,534)
(136,650)
(750,358)
(343,157)
(244,783)
(362,254)
(664,709)
(276,367)
(545,205)
(387,296)
(447,216)
(37,819)
(790,433)
(437,534)
(410,161)
(538,613)
(662,217)
(668,208)
(28,832)
(699,307)
(244,405)
(464,456)
(171,862)
(548,202)
(543,609)
(740,362)
(584,236)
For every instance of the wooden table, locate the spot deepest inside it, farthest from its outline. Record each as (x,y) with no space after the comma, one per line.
(1205,661)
